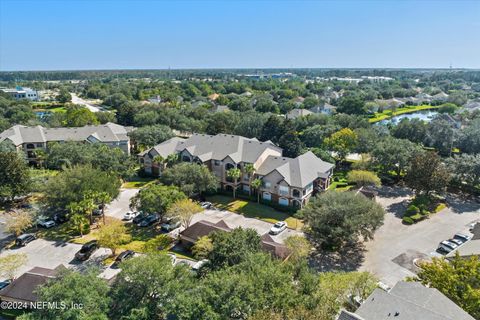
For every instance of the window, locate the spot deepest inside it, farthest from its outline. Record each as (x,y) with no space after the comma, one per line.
(39,145)
(296,193)
(229,166)
(283,202)
(246,188)
(30,146)
(216,162)
(309,188)
(267,184)
(267,196)
(185,158)
(283,190)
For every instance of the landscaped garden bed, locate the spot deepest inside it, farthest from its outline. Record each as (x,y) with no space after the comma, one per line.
(421,207)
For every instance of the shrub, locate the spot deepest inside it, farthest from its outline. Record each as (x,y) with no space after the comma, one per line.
(160,242)
(440,207)
(407,220)
(417,217)
(412,210)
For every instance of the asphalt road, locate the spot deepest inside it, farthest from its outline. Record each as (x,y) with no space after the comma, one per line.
(390,255)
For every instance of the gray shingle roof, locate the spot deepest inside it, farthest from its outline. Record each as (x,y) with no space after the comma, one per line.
(295,113)
(297,172)
(218,147)
(109,132)
(410,300)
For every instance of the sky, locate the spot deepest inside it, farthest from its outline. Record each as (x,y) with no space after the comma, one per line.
(129,34)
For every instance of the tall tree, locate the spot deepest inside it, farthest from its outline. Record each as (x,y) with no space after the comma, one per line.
(18,221)
(156,198)
(9,264)
(256,184)
(14,175)
(392,154)
(184,210)
(458,279)
(234,174)
(84,295)
(149,136)
(427,173)
(335,218)
(342,142)
(191,178)
(113,235)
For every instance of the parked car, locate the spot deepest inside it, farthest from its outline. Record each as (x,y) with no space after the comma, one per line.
(97,213)
(22,240)
(5,283)
(87,250)
(139,217)
(456,241)
(60,217)
(130,215)
(171,225)
(462,237)
(149,220)
(206,205)
(278,227)
(173,257)
(200,264)
(447,246)
(45,222)
(122,257)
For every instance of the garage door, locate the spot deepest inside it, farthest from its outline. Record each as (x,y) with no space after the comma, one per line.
(283,202)
(267,196)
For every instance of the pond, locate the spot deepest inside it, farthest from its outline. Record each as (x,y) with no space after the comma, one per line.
(42,114)
(426,115)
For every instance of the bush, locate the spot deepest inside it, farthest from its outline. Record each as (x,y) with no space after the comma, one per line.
(407,220)
(160,242)
(440,207)
(417,217)
(412,210)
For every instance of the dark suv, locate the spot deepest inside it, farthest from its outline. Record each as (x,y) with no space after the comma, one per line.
(139,218)
(87,250)
(149,220)
(22,240)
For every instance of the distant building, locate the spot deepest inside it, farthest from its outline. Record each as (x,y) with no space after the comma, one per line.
(30,139)
(326,108)
(296,113)
(155,99)
(20,93)
(407,301)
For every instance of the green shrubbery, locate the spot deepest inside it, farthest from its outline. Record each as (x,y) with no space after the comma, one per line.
(407,220)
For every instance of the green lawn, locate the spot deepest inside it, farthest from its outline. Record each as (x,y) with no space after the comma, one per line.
(387,114)
(254,210)
(137,182)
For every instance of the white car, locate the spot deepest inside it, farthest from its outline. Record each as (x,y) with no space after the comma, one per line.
(278,227)
(45,222)
(130,215)
(200,264)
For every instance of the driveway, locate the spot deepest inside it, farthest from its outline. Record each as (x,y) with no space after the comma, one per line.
(118,207)
(390,255)
(235,220)
(50,254)
(77,100)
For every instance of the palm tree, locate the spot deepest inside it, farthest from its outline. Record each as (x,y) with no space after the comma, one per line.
(102,198)
(88,204)
(41,155)
(234,173)
(80,221)
(159,161)
(249,169)
(256,184)
(172,159)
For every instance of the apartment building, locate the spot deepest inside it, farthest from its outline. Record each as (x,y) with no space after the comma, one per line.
(286,181)
(31,139)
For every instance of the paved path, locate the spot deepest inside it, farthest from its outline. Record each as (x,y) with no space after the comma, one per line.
(77,100)
(118,207)
(390,255)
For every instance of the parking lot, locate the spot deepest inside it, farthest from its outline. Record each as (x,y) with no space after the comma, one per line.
(391,254)
(235,220)
(118,207)
(50,254)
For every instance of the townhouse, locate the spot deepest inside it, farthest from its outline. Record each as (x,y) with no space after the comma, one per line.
(31,139)
(286,181)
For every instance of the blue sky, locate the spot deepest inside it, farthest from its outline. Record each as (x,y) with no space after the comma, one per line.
(89,34)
